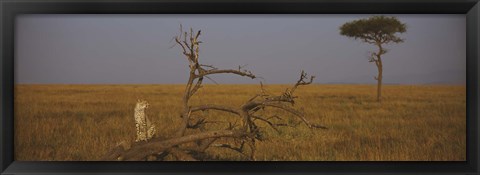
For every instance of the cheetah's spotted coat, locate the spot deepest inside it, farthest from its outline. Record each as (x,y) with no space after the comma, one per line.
(145,129)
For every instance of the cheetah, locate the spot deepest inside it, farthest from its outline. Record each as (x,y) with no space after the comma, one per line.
(145,129)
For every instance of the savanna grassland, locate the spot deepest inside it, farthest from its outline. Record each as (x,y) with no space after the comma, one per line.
(413,122)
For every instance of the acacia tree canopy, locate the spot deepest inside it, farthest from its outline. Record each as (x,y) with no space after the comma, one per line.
(374,30)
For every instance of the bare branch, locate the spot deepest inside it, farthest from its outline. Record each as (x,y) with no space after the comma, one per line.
(211,79)
(216,71)
(215,107)
(239,149)
(199,123)
(274,117)
(296,113)
(183,47)
(301,82)
(198,34)
(274,126)
(209,66)
(197,86)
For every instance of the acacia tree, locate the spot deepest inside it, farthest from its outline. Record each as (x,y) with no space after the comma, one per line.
(377,30)
(195,134)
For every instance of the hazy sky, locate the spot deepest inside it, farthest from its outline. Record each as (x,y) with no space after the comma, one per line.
(119,49)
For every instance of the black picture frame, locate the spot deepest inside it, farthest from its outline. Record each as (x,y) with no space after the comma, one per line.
(11,8)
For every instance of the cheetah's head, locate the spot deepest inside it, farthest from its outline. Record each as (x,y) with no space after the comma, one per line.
(142,104)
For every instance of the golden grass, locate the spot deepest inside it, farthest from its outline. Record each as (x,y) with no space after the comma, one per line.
(82,122)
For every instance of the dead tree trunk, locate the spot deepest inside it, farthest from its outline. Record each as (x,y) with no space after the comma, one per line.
(179,145)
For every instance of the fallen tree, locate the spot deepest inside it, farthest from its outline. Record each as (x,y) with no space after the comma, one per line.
(184,146)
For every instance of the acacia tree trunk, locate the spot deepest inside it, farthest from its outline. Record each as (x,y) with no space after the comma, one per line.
(379,79)
(378,62)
